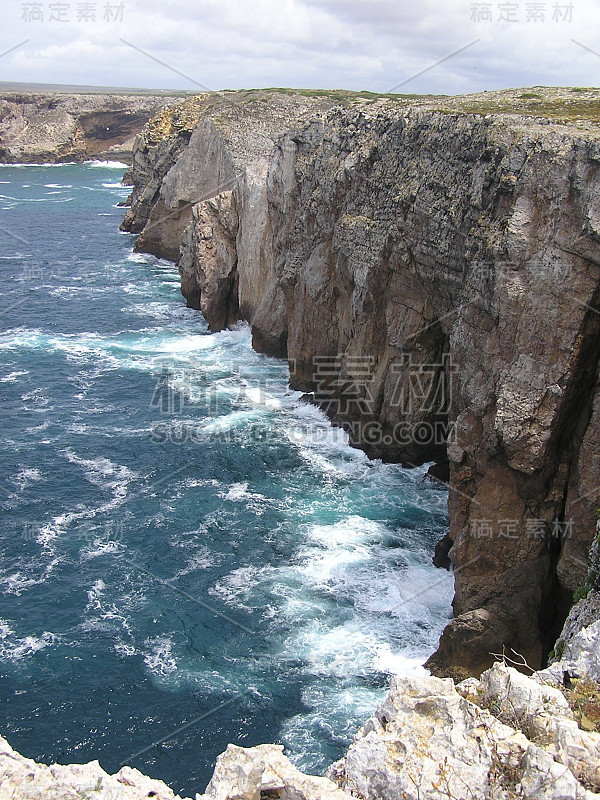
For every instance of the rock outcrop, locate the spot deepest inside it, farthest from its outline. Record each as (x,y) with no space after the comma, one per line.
(576,653)
(24,779)
(263,772)
(61,126)
(200,150)
(430,739)
(431,271)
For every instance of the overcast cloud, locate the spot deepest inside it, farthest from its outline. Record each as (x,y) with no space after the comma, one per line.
(351,44)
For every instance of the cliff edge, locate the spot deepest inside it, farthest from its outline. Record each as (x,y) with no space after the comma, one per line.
(430,268)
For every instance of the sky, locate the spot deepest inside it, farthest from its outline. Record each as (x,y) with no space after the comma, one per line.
(429,46)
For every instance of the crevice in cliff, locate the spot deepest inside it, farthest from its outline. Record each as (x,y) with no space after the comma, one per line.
(566,444)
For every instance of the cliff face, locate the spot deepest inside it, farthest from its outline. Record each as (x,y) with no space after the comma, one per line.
(58,126)
(200,150)
(432,276)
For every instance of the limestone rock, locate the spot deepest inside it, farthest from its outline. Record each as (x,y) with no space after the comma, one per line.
(576,653)
(24,779)
(197,150)
(544,716)
(444,259)
(504,737)
(578,647)
(62,126)
(427,742)
(261,772)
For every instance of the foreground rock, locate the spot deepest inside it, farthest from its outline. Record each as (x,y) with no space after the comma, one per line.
(431,270)
(504,737)
(576,653)
(24,779)
(427,740)
(257,773)
(54,127)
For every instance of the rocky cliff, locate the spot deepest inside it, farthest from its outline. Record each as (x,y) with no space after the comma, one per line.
(62,126)
(430,269)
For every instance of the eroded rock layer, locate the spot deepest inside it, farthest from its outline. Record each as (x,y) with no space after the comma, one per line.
(431,273)
(61,126)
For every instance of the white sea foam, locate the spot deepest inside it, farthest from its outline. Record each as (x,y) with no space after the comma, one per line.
(347,608)
(107,476)
(201,559)
(37,429)
(24,199)
(106,164)
(21,481)
(100,547)
(104,473)
(236,588)
(16,583)
(36,401)
(103,615)
(238,492)
(140,258)
(14,648)
(159,656)
(13,377)
(189,344)
(95,593)
(228,422)
(124,649)
(36,166)
(258,397)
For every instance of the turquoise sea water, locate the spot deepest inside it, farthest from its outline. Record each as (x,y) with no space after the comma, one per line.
(183,540)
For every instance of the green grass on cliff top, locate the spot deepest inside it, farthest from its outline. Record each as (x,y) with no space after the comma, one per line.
(573,104)
(562,104)
(345,95)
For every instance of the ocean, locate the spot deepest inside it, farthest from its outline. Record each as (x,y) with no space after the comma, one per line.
(191,554)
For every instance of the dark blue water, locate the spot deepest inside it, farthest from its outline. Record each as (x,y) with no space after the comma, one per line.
(183,540)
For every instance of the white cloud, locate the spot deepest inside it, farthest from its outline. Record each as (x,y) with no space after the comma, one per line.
(360,44)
